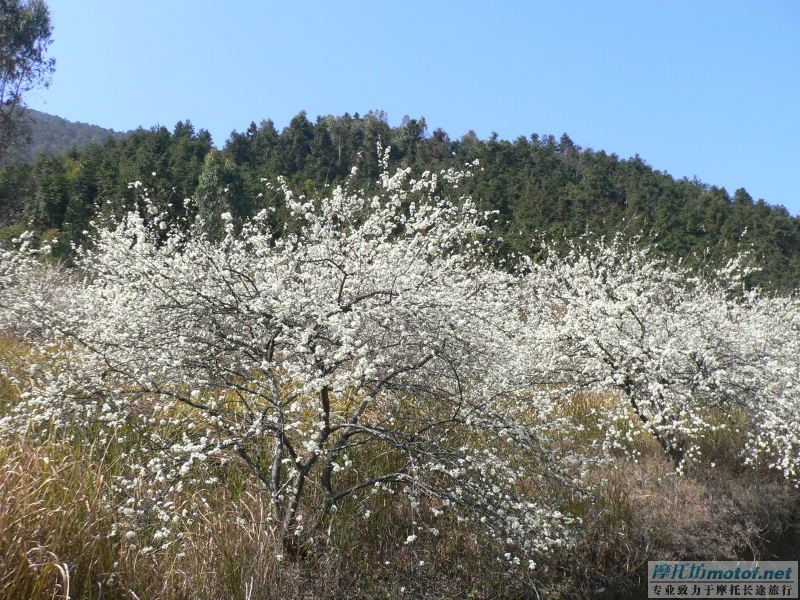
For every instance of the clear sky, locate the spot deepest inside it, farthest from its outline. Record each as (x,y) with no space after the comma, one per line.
(696,88)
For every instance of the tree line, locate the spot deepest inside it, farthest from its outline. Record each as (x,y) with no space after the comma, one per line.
(542,187)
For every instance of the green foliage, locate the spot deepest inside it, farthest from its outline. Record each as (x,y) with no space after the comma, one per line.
(540,186)
(219,191)
(9,234)
(24,38)
(52,193)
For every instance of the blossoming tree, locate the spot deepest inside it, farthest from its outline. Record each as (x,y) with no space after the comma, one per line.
(376,347)
(371,350)
(685,353)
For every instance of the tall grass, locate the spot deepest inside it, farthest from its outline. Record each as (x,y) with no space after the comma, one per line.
(56,520)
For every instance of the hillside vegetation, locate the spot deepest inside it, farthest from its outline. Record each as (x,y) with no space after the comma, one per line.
(48,134)
(540,186)
(362,394)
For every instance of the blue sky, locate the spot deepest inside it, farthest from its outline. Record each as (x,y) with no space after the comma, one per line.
(696,88)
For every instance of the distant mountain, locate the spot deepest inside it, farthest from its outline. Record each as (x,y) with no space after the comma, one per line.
(49,134)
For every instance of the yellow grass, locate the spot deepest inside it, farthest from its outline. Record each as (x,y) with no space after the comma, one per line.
(55,517)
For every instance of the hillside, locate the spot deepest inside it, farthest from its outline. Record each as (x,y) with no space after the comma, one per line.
(50,134)
(539,185)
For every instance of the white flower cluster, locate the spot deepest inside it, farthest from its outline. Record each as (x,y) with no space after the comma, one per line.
(380,324)
(685,354)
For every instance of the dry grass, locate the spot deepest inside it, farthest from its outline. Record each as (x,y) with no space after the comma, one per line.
(643,510)
(55,522)
(55,517)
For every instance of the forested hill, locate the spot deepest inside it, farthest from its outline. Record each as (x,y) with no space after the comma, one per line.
(540,185)
(49,134)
